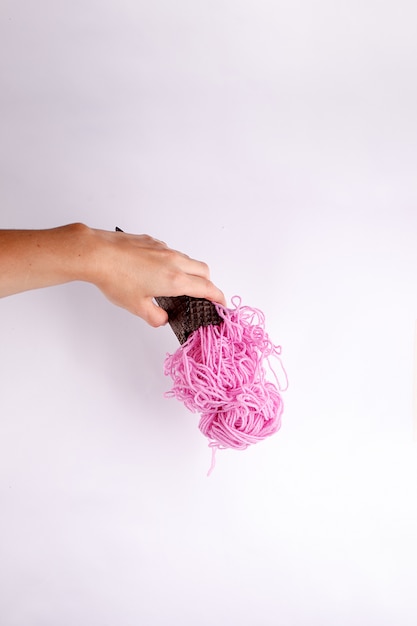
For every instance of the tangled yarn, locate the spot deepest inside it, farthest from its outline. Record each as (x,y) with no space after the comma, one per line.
(220,373)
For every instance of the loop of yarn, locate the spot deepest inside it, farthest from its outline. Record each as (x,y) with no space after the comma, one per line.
(220,372)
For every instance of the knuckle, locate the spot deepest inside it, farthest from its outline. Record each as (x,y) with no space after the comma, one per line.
(206,285)
(165,255)
(206,288)
(177,280)
(205,268)
(169,254)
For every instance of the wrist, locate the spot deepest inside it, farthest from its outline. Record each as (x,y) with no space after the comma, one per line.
(96,251)
(83,252)
(69,254)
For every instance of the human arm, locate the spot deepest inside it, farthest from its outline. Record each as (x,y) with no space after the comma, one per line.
(130,270)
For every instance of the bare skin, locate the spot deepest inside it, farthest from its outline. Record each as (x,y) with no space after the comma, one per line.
(130,270)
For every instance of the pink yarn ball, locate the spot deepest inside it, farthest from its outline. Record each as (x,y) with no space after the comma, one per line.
(220,373)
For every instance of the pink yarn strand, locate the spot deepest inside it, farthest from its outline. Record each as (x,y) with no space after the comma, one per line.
(220,373)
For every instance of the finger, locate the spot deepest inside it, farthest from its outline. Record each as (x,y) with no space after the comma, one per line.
(193,267)
(153,314)
(198,287)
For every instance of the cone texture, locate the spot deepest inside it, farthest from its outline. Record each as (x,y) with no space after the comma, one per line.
(186,314)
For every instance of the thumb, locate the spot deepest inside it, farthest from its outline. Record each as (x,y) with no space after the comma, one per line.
(153,314)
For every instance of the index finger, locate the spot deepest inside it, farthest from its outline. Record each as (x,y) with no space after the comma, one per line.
(199,287)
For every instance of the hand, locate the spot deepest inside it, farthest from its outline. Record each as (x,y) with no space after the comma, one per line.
(134,269)
(130,270)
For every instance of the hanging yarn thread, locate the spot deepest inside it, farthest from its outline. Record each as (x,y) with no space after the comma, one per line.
(220,373)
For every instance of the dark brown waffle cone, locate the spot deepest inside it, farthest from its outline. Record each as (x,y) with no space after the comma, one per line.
(186,314)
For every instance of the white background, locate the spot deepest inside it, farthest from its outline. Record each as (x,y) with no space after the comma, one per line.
(276,140)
